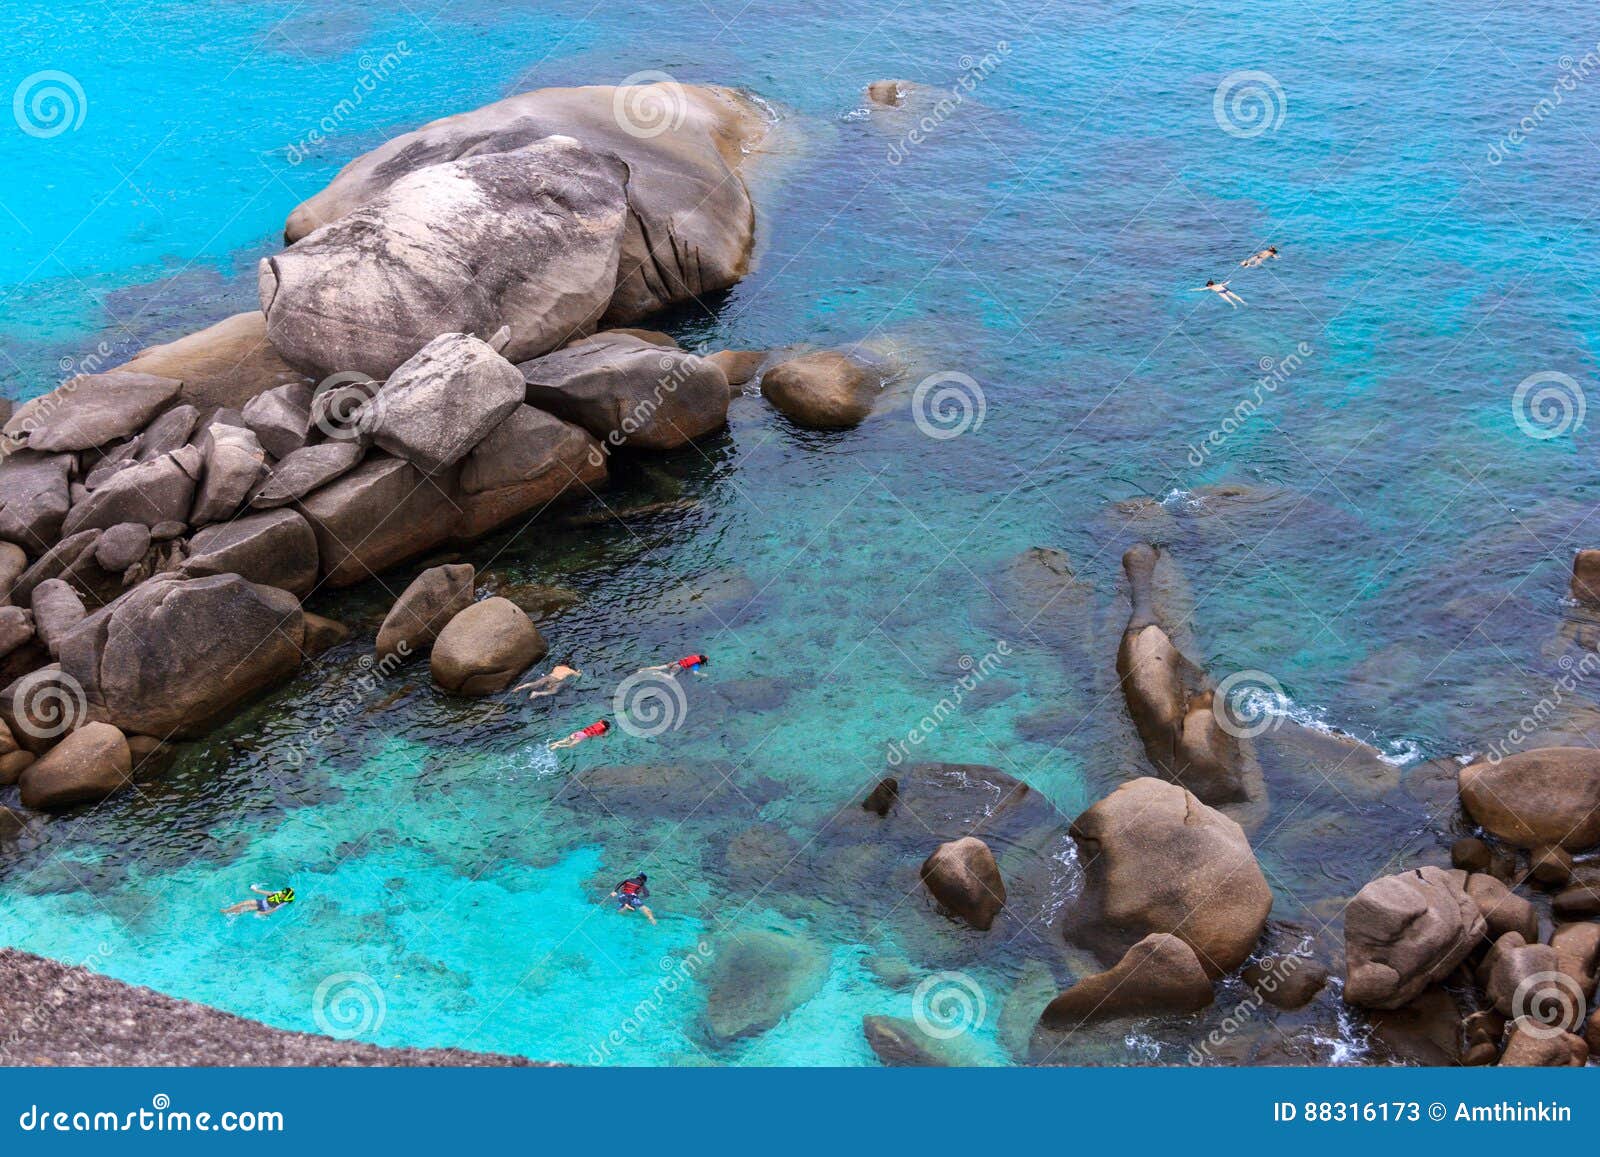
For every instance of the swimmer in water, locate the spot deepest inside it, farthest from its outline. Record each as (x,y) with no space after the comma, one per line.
(687,663)
(631,895)
(262,907)
(593,731)
(1221,290)
(1261,258)
(551,683)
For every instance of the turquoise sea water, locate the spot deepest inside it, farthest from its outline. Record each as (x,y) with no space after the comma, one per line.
(1396,557)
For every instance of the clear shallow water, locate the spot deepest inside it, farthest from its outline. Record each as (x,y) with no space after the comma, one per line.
(1397,561)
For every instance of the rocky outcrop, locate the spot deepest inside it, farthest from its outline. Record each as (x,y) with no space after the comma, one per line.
(1406,932)
(1549,796)
(424,608)
(303,471)
(91,410)
(964,879)
(34,498)
(690,223)
(161,490)
(275,548)
(628,392)
(87,765)
(1156,859)
(173,656)
(485,647)
(821,391)
(444,400)
(381,513)
(226,364)
(1158,974)
(530,240)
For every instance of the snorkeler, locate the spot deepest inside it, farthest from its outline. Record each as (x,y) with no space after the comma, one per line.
(631,894)
(1222,291)
(687,663)
(263,907)
(551,683)
(1261,258)
(593,731)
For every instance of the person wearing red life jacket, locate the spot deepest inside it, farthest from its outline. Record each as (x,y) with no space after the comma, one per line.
(593,731)
(631,895)
(687,663)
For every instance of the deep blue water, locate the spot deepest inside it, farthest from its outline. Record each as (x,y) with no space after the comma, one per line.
(1396,560)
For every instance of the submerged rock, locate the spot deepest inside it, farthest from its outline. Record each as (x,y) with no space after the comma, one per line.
(821,391)
(757,978)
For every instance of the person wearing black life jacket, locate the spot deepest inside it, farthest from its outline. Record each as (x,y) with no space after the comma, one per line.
(631,895)
(687,663)
(263,907)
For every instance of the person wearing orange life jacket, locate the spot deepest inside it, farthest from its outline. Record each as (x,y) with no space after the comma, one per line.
(631,895)
(687,663)
(596,729)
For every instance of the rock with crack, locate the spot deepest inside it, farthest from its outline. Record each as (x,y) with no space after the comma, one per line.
(1406,932)
(275,548)
(444,400)
(151,492)
(1158,974)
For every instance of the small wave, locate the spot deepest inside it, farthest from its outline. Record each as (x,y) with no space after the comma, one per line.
(855,114)
(1261,702)
(1180,499)
(535,759)
(1352,1043)
(1143,1045)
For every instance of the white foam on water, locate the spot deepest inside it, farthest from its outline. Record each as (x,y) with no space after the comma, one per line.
(1143,1045)
(1258,702)
(534,759)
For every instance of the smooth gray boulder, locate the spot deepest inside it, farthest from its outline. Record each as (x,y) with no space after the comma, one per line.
(381,513)
(85,767)
(275,548)
(151,492)
(443,401)
(529,240)
(280,418)
(1406,932)
(432,599)
(168,432)
(484,647)
(34,498)
(629,392)
(225,364)
(821,391)
(527,462)
(121,546)
(303,471)
(234,461)
(691,223)
(174,656)
(57,609)
(91,410)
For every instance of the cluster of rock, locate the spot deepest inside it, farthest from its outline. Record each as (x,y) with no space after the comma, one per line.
(1470,927)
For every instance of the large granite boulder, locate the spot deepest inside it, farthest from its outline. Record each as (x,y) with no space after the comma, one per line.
(965,880)
(379,514)
(164,435)
(161,490)
(1549,796)
(821,391)
(85,767)
(13,561)
(527,462)
(226,364)
(485,647)
(174,656)
(91,410)
(303,471)
(690,224)
(34,498)
(757,977)
(629,392)
(120,546)
(1406,932)
(57,609)
(530,240)
(234,461)
(434,597)
(444,400)
(1156,859)
(275,548)
(280,418)
(1158,974)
